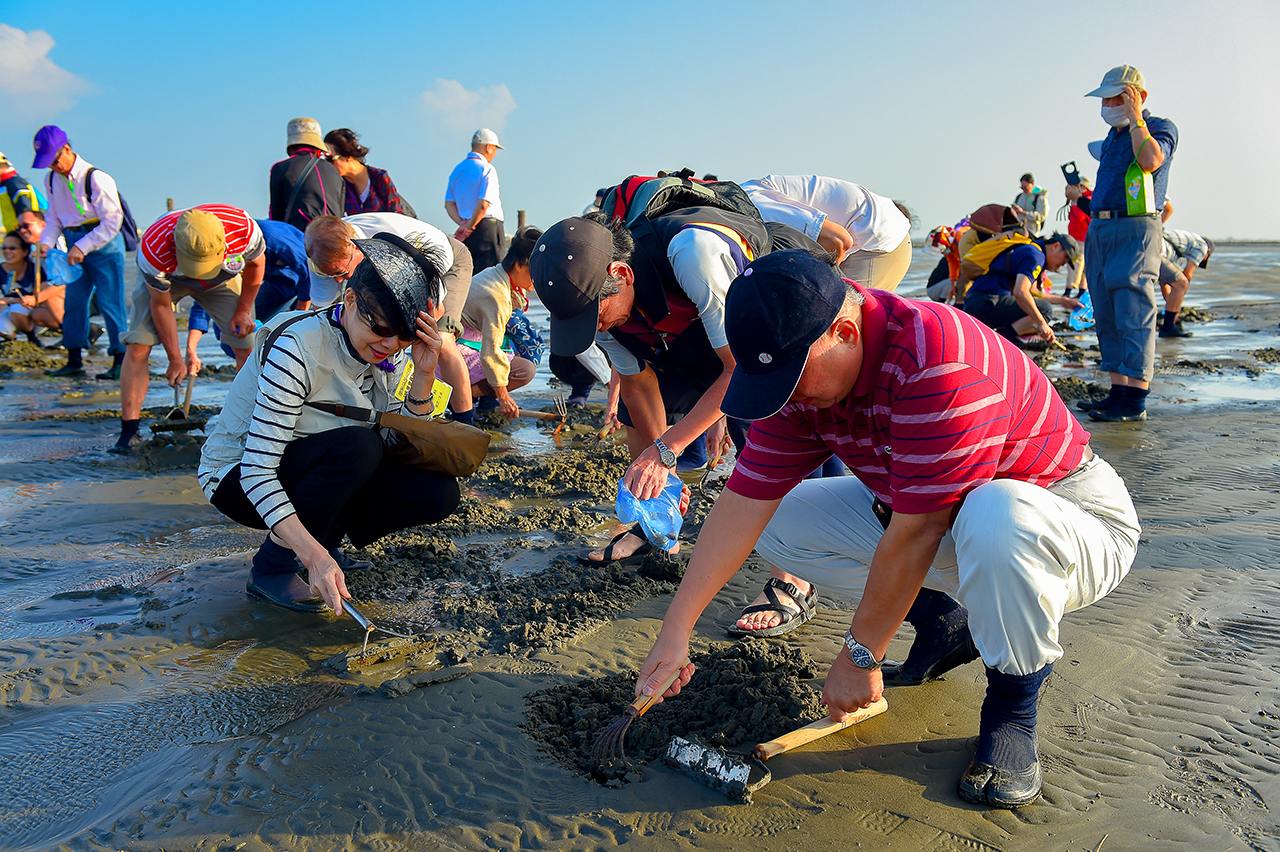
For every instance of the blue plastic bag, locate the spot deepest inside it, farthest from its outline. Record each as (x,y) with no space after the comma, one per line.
(58,270)
(659,516)
(1082,317)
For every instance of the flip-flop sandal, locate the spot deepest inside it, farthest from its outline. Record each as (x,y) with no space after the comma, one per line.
(790,620)
(640,553)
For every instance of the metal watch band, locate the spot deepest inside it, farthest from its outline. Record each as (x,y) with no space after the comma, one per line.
(665,453)
(860,655)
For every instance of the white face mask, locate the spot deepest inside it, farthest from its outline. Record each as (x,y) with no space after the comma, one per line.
(1115,116)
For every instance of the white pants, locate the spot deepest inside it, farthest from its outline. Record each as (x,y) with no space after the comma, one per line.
(1018,557)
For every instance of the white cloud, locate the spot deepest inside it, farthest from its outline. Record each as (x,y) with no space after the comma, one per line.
(463,111)
(33,83)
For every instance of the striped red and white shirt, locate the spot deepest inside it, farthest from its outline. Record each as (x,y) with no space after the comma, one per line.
(942,405)
(158,259)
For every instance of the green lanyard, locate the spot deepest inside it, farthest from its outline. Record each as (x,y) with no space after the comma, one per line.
(71,188)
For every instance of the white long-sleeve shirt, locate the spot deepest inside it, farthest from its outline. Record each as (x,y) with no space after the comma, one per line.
(69,207)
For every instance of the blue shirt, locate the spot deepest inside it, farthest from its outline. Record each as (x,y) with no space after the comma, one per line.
(286,270)
(1117,156)
(1025,260)
(472,181)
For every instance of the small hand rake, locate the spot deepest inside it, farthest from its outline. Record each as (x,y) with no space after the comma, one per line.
(611,744)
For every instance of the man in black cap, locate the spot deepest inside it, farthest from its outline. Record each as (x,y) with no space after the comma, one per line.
(1007,298)
(653,297)
(976,509)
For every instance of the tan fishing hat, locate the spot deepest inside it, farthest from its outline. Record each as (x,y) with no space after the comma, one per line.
(1114,81)
(200,242)
(305,131)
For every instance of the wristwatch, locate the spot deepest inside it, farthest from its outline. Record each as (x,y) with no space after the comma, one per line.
(665,453)
(860,654)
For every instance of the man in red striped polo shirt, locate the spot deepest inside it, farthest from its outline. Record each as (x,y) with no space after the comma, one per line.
(1002,519)
(214,253)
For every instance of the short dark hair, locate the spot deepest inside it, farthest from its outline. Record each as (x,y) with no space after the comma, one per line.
(346,143)
(1027,178)
(39,214)
(521,248)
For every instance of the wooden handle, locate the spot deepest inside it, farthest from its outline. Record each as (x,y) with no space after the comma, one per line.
(540,415)
(816,731)
(186,405)
(642,704)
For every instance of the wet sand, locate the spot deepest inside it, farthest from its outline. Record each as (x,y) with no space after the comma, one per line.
(147,703)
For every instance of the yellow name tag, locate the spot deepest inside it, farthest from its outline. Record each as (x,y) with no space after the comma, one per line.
(440,391)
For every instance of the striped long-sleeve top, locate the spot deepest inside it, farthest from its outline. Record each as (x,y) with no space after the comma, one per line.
(942,405)
(264,411)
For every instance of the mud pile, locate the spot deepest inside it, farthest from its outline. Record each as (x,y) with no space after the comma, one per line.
(24,355)
(591,472)
(1071,388)
(467,591)
(741,694)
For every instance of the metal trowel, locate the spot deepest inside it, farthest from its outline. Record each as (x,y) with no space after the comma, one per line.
(732,773)
(369,626)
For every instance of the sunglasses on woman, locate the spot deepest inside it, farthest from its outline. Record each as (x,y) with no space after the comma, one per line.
(378,328)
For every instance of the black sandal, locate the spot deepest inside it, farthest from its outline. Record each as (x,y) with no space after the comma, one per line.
(790,619)
(640,553)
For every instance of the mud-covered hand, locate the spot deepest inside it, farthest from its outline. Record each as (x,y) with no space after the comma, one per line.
(849,687)
(667,653)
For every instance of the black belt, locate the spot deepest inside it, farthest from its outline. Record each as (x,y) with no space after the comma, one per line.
(1118,214)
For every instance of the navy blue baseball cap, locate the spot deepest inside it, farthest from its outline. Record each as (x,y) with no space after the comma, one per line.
(569,265)
(774,312)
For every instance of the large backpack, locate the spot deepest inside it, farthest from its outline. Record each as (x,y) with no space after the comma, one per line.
(129,227)
(651,197)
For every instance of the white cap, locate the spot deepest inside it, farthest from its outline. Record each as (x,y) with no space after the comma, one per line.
(485,136)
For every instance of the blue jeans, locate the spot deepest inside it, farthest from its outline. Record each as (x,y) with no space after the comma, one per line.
(1124,267)
(104,277)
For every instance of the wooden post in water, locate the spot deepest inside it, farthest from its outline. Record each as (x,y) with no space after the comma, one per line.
(168,204)
(519,220)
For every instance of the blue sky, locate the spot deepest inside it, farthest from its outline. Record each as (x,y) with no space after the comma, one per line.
(935,104)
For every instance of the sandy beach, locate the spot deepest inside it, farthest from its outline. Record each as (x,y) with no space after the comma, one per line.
(147,703)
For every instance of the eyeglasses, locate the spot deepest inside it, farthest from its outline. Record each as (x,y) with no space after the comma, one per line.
(376,328)
(342,275)
(25,226)
(11,248)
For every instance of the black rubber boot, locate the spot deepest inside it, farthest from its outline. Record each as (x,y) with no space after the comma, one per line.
(1005,772)
(346,563)
(1131,406)
(1171,327)
(275,579)
(1111,399)
(942,642)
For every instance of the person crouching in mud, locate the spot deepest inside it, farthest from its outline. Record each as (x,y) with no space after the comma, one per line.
(311,477)
(997,503)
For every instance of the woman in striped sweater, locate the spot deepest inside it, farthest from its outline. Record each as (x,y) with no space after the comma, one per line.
(310,477)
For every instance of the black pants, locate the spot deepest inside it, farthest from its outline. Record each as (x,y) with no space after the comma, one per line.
(487,244)
(1000,312)
(681,391)
(570,370)
(341,483)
